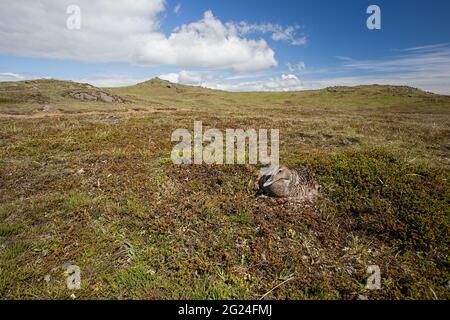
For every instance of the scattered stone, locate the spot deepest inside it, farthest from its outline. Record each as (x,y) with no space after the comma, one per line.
(47,108)
(47,278)
(106,98)
(362,297)
(81,171)
(83,96)
(95,96)
(105,119)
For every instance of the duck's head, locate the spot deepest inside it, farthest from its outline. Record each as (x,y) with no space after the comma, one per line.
(278,175)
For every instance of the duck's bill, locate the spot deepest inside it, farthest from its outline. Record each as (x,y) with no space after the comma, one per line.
(268,182)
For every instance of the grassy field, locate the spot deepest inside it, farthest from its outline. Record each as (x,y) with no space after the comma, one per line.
(92,184)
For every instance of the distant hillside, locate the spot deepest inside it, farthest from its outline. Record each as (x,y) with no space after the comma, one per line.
(25,97)
(157,84)
(402,91)
(157,87)
(52,95)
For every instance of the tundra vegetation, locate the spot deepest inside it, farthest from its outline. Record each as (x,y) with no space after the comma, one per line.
(86,178)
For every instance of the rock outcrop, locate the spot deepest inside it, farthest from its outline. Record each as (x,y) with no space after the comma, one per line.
(95,96)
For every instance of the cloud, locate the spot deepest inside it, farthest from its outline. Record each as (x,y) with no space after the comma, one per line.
(187,77)
(425,67)
(278,32)
(177,9)
(172,77)
(206,43)
(111,80)
(283,82)
(10,76)
(119,31)
(425,48)
(296,68)
(434,61)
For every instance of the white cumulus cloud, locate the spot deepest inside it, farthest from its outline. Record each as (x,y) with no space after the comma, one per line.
(205,43)
(126,31)
(283,82)
(10,76)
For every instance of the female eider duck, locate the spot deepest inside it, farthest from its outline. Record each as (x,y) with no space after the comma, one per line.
(282,182)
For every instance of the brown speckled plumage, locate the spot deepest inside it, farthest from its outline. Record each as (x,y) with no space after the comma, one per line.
(282,182)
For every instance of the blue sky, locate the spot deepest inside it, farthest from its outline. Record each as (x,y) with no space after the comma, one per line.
(231,45)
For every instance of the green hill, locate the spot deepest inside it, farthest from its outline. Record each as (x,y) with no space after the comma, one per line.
(26,97)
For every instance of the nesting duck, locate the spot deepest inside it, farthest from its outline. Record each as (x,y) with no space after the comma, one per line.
(282,182)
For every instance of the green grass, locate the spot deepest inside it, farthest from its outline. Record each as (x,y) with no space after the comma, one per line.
(142,228)
(76,200)
(383,195)
(8,230)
